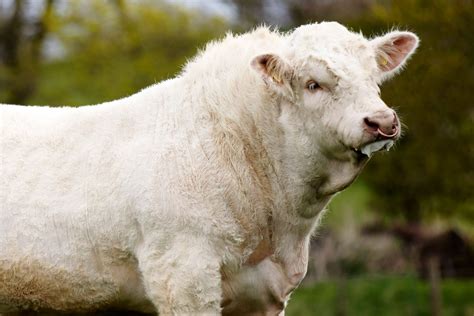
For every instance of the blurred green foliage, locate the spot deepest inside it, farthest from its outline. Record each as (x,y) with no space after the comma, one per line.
(115,52)
(113,49)
(388,296)
(431,172)
(138,45)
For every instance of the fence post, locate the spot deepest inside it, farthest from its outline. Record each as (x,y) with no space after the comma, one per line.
(435,285)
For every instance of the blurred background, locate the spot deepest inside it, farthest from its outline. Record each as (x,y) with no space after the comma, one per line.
(400,240)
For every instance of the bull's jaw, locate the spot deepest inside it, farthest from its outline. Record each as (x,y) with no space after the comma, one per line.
(339,175)
(333,176)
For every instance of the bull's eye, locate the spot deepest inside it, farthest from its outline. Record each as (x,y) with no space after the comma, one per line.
(312,85)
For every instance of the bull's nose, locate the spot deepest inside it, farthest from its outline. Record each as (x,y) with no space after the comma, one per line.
(384,125)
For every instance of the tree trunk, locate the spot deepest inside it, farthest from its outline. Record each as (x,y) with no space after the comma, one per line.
(20,54)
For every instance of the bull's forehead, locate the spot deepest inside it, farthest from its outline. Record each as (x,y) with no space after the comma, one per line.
(348,54)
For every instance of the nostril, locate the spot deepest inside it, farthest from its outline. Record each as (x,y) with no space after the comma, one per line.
(395,123)
(389,131)
(394,127)
(373,125)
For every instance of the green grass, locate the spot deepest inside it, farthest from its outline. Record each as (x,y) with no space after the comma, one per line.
(381,296)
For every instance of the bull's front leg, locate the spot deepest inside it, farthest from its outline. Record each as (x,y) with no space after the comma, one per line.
(184,279)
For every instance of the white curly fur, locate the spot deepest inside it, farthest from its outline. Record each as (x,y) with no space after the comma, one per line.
(195,193)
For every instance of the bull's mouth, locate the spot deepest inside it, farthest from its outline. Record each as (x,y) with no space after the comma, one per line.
(366,151)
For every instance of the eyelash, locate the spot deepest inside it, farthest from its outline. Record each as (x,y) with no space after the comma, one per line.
(312,86)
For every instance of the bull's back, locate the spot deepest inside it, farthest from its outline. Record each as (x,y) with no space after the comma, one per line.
(65,208)
(74,186)
(55,168)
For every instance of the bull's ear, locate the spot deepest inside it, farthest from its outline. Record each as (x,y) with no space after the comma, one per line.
(276,73)
(392,51)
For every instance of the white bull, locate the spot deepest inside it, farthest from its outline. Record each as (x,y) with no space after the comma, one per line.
(198,194)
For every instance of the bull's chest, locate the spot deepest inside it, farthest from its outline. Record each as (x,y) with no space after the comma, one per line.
(264,283)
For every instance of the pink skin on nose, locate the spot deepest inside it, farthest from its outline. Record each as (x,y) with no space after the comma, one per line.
(384,125)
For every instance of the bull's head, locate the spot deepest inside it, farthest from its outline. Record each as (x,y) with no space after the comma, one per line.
(328,80)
